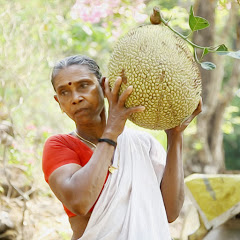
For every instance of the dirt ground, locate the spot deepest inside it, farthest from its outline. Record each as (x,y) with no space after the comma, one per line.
(44,218)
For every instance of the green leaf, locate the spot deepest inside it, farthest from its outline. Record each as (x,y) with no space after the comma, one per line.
(230,54)
(197,23)
(208,65)
(205,52)
(222,48)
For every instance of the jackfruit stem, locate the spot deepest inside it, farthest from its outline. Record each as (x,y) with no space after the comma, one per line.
(156,17)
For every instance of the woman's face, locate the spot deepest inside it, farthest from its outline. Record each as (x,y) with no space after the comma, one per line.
(79,93)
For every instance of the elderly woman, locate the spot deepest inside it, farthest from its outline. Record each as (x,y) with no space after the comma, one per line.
(114,182)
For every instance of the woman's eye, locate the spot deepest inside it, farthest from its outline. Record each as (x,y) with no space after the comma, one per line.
(83,85)
(64,92)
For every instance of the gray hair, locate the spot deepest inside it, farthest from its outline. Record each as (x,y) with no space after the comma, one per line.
(77,60)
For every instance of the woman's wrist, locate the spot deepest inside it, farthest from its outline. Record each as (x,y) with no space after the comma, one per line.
(110,135)
(109,141)
(174,138)
(174,134)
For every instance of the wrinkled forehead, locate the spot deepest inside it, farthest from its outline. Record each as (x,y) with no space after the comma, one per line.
(70,74)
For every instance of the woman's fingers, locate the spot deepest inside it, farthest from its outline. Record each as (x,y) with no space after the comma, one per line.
(185,124)
(135,110)
(119,100)
(113,95)
(116,88)
(199,108)
(196,112)
(123,97)
(106,88)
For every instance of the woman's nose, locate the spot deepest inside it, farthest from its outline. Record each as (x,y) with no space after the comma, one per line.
(76,98)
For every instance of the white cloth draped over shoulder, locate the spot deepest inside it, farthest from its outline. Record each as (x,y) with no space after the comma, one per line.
(130,206)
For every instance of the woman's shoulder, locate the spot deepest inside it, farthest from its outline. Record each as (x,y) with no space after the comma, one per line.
(59,136)
(62,139)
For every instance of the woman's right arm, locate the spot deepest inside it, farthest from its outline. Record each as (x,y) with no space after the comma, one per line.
(79,187)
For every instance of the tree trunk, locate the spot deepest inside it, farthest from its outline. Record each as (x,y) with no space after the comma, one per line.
(210,158)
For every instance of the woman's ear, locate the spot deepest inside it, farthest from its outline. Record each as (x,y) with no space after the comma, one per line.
(56,98)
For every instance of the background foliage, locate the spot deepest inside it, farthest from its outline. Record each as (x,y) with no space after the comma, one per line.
(35,34)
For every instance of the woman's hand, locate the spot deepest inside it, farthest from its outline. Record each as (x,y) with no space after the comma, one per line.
(183,126)
(118,113)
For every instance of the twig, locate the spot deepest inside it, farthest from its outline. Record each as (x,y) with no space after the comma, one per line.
(157,19)
(8,178)
(23,216)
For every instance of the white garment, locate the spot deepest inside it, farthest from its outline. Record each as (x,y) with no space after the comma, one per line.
(130,206)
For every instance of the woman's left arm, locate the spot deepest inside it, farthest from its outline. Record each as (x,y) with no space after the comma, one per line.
(172,185)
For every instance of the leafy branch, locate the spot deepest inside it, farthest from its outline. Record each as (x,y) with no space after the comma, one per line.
(196,23)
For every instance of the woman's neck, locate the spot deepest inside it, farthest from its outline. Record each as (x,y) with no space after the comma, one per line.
(92,131)
(91,134)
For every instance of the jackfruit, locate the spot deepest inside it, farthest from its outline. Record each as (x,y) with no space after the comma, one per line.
(164,75)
